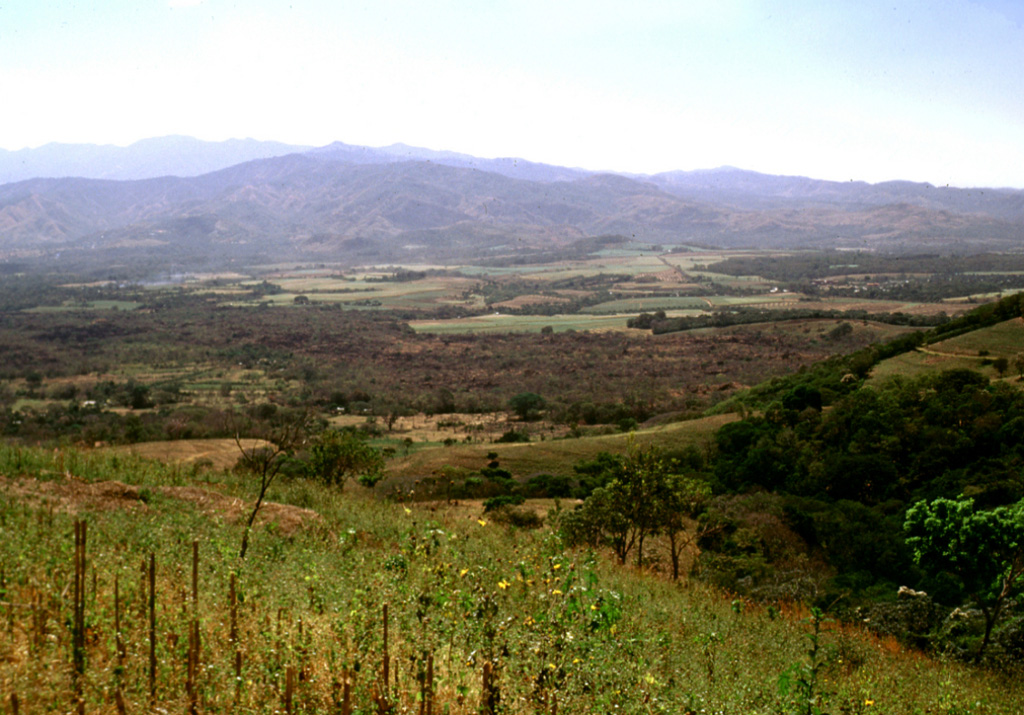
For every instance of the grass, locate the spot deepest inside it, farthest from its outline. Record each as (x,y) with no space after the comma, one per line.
(554,456)
(969,351)
(218,453)
(461,588)
(648,303)
(502,323)
(1005,339)
(88,305)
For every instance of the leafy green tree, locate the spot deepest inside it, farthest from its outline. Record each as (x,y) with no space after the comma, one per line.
(984,550)
(336,455)
(642,497)
(527,405)
(595,473)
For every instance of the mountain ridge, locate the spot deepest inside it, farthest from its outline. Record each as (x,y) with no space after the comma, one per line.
(350,203)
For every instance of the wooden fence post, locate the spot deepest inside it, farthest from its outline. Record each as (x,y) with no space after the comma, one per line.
(78,621)
(152,628)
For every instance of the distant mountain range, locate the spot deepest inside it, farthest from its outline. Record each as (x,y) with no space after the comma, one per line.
(178,201)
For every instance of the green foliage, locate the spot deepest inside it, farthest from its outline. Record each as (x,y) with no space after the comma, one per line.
(982,549)
(641,497)
(722,318)
(549,486)
(527,405)
(512,437)
(337,455)
(595,473)
(904,440)
(798,684)
(503,500)
(847,474)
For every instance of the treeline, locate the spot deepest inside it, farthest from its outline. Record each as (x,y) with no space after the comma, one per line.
(840,375)
(658,323)
(806,266)
(928,289)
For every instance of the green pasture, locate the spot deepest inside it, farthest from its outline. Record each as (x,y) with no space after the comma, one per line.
(917,363)
(611,265)
(628,252)
(692,304)
(503,323)
(970,351)
(771,300)
(724,279)
(390,295)
(87,305)
(1003,340)
(689,261)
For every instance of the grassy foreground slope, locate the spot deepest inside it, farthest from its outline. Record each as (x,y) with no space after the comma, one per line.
(555,456)
(556,629)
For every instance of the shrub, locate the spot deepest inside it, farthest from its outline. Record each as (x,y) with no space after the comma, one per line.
(513,436)
(503,500)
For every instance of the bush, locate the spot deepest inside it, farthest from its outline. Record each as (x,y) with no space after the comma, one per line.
(518,517)
(513,436)
(503,500)
(549,486)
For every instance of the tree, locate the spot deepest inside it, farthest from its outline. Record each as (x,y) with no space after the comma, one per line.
(268,444)
(337,455)
(527,405)
(1001,365)
(683,500)
(643,496)
(984,550)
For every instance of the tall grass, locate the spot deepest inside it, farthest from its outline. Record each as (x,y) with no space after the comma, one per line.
(299,625)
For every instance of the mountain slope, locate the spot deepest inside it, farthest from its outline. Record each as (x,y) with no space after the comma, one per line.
(345,203)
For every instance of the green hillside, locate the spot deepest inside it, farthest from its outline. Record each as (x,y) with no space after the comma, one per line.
(556,629)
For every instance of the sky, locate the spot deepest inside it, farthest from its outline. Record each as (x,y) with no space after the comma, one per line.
(928,90)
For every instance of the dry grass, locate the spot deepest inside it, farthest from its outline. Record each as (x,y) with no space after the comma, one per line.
(219,453)
(70,495)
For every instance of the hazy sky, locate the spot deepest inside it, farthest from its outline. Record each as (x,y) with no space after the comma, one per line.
(931,90)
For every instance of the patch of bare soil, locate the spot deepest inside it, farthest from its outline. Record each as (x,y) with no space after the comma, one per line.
(72,495)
